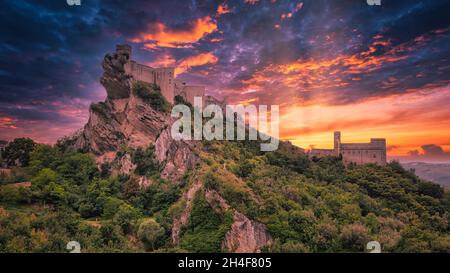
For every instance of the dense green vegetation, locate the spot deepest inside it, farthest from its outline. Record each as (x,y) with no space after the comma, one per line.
(17,153)
(321,205)
(151,93)
(206,228)
(317,205)
(71,199)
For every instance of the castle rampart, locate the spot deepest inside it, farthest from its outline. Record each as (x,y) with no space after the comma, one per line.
(164,77)
(188,92)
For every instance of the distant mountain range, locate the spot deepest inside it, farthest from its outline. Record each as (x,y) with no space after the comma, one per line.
(436,172)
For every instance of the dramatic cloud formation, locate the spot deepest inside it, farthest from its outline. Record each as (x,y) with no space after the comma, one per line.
(163,60)
(197,60)
(186,64)
(331,65)
(158,35)
(6,122)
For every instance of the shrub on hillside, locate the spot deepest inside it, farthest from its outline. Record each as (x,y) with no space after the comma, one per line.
(354,237)
(151,94)
(17,152)
(150,233)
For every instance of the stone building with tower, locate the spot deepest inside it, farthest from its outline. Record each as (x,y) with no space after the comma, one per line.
(359,153)
(188,92)
(164,77)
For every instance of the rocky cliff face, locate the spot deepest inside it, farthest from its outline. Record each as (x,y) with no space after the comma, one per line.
(245,235)
(126,120)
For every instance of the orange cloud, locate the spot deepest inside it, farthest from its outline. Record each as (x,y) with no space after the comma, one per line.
(163,60)
(310,119)
(7,122)
(159,35)
(222,9)
(247,102)
(216,40)
(331,72)
(197,60)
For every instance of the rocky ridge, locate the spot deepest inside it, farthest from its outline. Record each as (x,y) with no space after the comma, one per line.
(125,120)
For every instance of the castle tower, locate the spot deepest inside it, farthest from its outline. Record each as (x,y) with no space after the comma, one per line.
(337,143)
(380,144)
(124,50)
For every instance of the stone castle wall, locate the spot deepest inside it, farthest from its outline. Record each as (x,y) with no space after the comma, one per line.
(364,156)
(359,153)
(164,77)
(321,152)
(188,92)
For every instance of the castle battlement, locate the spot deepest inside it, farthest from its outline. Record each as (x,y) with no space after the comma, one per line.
(359,153)
(164,77)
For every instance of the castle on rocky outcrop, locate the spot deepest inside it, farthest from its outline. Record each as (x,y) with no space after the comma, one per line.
(127,122)
(126,119)
(164,77)
(359,153)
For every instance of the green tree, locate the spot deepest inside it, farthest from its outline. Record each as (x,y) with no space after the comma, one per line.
(111,206)
(111,235)
(78,168)
(150,232)
(146,163)
(44,156)
(354,237)
(105,170)
(245,168)
(151,94)
(288,247)
(12,194)
(303,223)
(17,152)
(47,186)
(126,217)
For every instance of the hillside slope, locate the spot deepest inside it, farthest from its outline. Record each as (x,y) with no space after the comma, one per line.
(123,184)
(236,199)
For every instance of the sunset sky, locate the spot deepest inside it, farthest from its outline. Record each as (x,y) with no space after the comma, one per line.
(368,71)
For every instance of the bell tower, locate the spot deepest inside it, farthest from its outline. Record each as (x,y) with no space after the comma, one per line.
(337,143)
